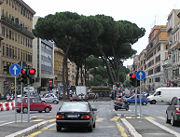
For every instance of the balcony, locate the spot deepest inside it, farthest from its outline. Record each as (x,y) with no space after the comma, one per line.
(167,63)
(16,26)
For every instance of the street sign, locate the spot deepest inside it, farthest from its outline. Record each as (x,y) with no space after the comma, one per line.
(140,75)
(14,69)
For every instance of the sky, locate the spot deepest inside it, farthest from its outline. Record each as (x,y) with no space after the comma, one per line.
(144,13)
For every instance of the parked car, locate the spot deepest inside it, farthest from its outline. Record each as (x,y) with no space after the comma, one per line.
(173,111)
(76,114)
(132,99)
(35,105)
(50,98)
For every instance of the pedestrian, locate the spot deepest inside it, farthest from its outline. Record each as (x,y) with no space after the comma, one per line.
(95,97)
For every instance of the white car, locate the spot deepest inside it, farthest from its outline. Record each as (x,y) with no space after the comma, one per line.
(50,98)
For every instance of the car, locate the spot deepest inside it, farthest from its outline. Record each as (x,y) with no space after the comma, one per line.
(74,97)
(173,111)
(35,105)
(50,98)
(132,99)
(76,114)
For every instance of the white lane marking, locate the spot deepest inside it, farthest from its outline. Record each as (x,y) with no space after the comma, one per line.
(164,127)
(7,123)
(27,129)
(131,129)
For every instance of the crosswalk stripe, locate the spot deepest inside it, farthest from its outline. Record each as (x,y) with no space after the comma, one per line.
(150,118)
(163,118)
(128,117)
(52,120)
(99,119)
(115,118)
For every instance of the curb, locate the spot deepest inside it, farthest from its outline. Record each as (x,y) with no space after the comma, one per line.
(28,130)
(130,128)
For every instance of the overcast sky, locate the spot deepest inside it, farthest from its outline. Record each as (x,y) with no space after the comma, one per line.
(145,13)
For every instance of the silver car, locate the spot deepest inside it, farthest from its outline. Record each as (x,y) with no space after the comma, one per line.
(50,98)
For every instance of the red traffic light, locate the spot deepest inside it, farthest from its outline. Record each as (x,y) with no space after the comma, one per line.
(133,76)
(50,86)
(23,71)
(117,84)
(32,71)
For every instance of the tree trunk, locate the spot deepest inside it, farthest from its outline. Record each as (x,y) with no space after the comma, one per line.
(77,75)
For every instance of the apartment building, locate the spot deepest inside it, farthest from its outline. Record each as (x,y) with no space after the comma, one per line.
(71,73)
(142,65)
(43,60)
(172,64)
(58,66)
(156,55)
(16,38)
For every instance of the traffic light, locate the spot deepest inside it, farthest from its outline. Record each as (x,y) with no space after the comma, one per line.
(24,79)
(134,81)
(6,68)
(51,86)
(117,84)
(31,73)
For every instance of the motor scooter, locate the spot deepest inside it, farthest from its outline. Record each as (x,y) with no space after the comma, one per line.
(123,105)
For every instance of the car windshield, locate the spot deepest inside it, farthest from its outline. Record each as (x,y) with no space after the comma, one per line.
(75,107)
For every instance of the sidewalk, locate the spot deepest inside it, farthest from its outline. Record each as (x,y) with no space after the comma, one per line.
(20,129)
(147,128)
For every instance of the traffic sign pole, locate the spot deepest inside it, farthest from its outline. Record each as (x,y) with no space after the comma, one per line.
(15,70)
(15,100)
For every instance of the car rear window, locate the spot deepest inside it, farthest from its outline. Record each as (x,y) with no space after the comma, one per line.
(75,107)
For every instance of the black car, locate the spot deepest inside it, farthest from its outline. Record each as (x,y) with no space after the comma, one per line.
(173,111)
(76,114)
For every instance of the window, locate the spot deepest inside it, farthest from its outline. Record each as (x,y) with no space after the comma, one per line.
(157,93)
(15,36)
(157,79)
(7,33)
(3,12)
(10,34)
(6,1)
(3,31)
(7,50)
(3,49)
(35,100)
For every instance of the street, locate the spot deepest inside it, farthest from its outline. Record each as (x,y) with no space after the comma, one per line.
(108,122)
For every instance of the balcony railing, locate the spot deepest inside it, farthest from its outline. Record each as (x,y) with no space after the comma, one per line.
(17,26)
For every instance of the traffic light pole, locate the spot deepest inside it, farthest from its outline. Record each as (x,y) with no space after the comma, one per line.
(21,95)
(28,101)
(136,102)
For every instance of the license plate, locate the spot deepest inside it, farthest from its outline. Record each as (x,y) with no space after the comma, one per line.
(72,116)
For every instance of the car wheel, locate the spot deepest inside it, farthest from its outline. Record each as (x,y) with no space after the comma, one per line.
(153,102)
(43,102)
(40,111)
(47,109)
(18,111)
(90,128)
(173,122)
(58,128)
(127,108)
(25,110)
(94,125)
(167,120)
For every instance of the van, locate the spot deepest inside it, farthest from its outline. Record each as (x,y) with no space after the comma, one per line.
(164,94)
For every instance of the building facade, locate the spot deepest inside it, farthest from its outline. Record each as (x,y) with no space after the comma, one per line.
(16,39)
(156,55)
(58,66)
(43,60)
(172,64)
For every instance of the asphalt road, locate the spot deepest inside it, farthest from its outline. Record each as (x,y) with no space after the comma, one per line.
(105,125)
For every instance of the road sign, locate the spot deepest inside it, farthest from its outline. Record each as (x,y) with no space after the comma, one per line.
(14,69)
(140,75)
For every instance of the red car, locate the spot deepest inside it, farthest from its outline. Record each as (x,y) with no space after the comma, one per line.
(35,105)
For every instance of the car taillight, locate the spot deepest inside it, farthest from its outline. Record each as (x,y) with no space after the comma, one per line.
(85,117)
(59,116)
(177,110)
